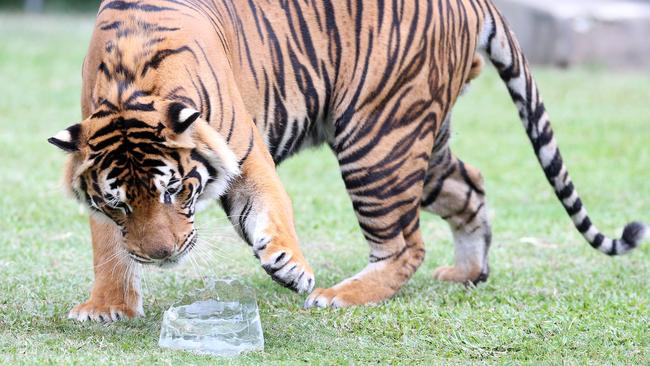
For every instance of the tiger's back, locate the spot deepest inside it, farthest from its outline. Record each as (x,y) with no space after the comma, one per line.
(300,70)
(314,73)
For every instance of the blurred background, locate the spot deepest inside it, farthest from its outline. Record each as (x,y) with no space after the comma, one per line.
(611,33)
(550,298)
(37,6)
(562,33)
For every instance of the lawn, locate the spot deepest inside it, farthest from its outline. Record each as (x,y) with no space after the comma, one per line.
(550,298)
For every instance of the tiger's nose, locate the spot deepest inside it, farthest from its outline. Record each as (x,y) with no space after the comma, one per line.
(162,253)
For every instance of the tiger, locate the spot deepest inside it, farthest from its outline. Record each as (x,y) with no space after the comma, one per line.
(189,102)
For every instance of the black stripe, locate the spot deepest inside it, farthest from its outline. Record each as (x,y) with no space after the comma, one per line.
(161,55)
(208,104)
(566,192)
(584,225)
(114,25)
(468,180)
(248,151)
(121,5)
(242,223)
(108,105)
(101,114)
(431,197)
(598,241)
(135,95)
(554,168)
(148,107)
(104,69)
(473,216)
(195,155)
(575,208)
(105,143)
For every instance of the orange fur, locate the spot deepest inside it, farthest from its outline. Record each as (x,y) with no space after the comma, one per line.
(158,59)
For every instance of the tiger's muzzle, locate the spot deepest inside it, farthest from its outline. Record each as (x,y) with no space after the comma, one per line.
(164,257)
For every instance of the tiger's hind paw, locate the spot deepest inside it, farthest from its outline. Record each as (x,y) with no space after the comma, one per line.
(455,274)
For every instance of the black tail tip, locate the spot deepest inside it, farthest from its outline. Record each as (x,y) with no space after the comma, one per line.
(634,233)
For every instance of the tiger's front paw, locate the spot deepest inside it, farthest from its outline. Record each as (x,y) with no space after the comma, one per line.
(287,268)
(91,310)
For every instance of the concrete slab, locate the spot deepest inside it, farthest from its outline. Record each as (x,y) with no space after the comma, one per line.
(611,33)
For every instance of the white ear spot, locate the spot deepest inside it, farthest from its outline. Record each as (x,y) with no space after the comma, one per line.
(187,113)
(68,139)
(63,135)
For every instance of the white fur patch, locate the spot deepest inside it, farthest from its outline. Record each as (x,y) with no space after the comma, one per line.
(590,235)
(107,183)
(137,287)
(63,135)
(186,113)
(221,157)
(483,38)
(607,245)
(220,185)
(162,182)
(228,159)
(258,226)
(547,153)
(212,190)
(469,249)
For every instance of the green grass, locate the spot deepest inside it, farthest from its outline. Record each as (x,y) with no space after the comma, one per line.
(553,301)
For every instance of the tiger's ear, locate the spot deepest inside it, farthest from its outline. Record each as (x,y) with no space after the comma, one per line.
(179,120)
(181,117)
(68,139)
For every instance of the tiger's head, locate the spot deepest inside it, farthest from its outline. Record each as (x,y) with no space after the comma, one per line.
(147,173)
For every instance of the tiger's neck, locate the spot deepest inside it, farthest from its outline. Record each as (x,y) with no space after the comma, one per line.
(141,61)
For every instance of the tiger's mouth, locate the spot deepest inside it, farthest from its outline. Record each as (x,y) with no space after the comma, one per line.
(173,259)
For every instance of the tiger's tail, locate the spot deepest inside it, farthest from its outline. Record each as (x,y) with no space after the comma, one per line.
(504,52)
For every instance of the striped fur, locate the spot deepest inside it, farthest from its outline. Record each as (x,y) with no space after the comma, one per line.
(199,89)
(505,53)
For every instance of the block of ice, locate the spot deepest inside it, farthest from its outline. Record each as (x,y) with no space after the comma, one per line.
(220,319)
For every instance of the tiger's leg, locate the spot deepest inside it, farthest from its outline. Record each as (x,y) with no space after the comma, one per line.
(477,67)
(454,191)
(261,212)
(116,291)
(387,207)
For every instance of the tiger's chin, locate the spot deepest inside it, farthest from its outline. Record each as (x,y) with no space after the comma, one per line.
(166,263)
(171,262)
